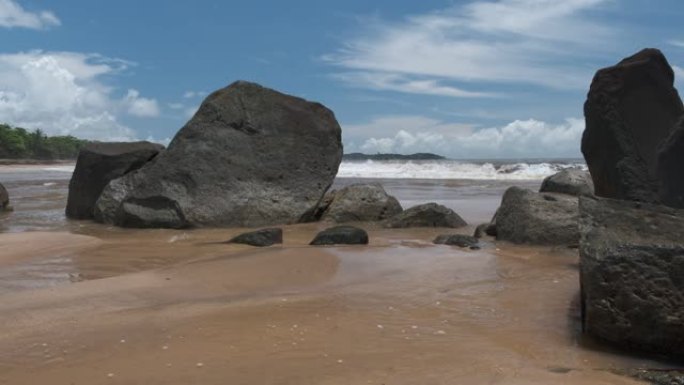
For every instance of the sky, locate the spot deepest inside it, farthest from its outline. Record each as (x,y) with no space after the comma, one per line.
(465,79)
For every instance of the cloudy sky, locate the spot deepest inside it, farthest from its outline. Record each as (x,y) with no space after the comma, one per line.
(466,79)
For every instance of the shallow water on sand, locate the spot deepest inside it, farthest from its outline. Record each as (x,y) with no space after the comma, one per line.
(82,303)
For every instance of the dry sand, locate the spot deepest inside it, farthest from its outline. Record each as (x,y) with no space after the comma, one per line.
(171,307)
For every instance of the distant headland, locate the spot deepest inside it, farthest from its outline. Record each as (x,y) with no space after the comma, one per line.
(417,156)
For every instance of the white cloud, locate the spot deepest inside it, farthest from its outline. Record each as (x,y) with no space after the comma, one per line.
(176,106)
(519,139)
(63,93)
(14,15)
(402,83)
(139,106)
(534,42)
(194,94)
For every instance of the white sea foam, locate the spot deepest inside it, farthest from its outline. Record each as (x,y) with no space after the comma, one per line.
(69,168)
(452,169)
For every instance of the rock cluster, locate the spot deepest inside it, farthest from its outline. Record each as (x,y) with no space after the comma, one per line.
(631,252)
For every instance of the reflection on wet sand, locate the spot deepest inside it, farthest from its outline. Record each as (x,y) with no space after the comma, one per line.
(200,312)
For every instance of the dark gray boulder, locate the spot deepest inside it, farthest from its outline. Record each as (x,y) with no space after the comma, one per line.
(260,238)
(630,109)
(341,235)
(481,230)
(4,199)
(457,240)
(569,181)
(537,218)
(361,203)
(97,164)
(632,274)
(671,168)
(251,156)
(426,215)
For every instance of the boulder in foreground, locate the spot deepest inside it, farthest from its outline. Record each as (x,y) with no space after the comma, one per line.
(632,274)
(99,163)
(426,215)
(251,156)
(569,181)
(361,203)
(341,235)
(537,218)
(260,238)
(630,110)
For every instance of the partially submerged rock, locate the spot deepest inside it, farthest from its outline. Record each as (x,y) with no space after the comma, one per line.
(341,235)
(537,218)
(569,181)
(260,238)
(426,215)
(457,240)
(250,156)
(4,199)
(361,203)
(630,110)
(632,274)
(98,164)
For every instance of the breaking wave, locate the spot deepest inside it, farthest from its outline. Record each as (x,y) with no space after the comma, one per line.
(455,169)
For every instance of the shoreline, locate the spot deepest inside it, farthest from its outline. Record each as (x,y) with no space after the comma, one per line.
(35,162)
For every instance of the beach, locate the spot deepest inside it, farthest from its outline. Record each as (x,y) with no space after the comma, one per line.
(85,303)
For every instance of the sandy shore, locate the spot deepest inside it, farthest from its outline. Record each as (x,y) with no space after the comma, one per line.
(170,307)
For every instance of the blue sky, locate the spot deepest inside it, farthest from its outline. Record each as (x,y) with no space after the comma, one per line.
(467,79)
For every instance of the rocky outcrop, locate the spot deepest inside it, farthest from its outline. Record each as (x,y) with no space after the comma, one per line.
(671,167)
(426,215)
(341,235)
(459,240)
(250,156)
(632,274)
(569,181)
(630,110)
(99,163)
(4,199)
(260,238)
(537,218)
(361,203)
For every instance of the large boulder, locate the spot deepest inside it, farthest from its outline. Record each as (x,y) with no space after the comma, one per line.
(537,218)
(671,168)
(361,203)
(250,157)
(632,274)
(97,164)
(426,215)
(569,181)
(630,110)
(4,199)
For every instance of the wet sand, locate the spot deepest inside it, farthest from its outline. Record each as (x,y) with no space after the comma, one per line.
(91,304)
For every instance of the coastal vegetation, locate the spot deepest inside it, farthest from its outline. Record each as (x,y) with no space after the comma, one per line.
(20,143)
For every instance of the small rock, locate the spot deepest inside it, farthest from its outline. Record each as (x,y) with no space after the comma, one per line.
(260,238)
(426,215)
(456,240)
(361,203)
(569,181)
(341,235)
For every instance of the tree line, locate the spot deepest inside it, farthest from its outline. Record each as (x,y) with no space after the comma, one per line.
(20,143)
